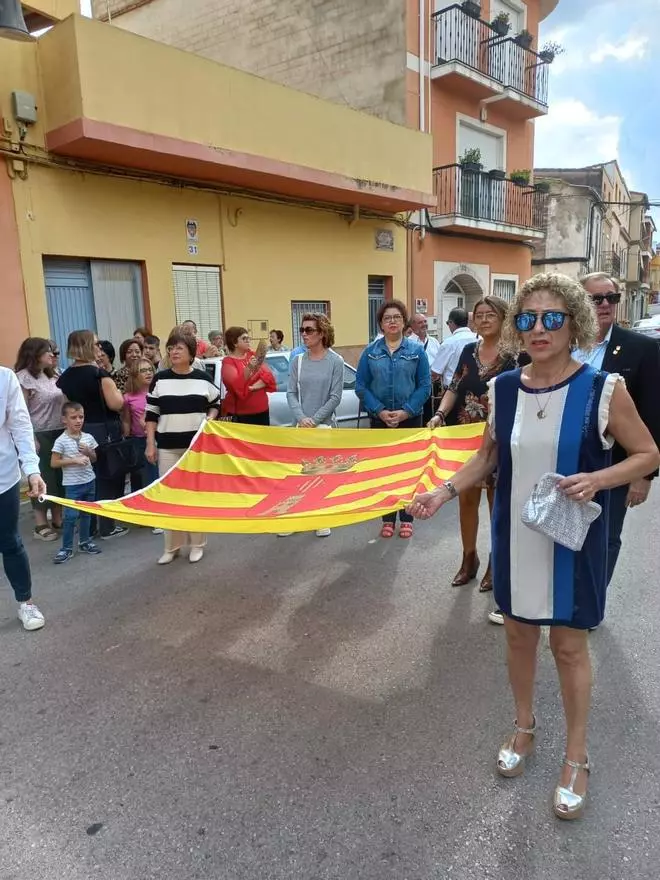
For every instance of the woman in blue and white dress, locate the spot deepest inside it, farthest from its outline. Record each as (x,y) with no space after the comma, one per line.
(555,416)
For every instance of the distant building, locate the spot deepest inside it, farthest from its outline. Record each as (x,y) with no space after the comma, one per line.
(595,224)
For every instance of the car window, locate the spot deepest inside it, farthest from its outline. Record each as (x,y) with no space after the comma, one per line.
(349,378)
(279,367)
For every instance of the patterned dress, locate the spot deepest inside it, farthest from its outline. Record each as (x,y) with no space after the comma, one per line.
(534,579)
(470,384)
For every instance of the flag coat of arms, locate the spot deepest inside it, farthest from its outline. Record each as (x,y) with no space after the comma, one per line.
(253,479)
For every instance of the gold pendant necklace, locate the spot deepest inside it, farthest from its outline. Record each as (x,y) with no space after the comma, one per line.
(541,414)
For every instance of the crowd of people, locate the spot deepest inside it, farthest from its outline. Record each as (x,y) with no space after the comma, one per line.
(560,388)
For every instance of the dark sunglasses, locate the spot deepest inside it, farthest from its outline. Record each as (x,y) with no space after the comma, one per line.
(612,298)
(55,353)
(551,320)
(309,330)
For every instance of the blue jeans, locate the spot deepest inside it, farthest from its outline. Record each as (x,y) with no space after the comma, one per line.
(14,557)
(81,492)
(147,473)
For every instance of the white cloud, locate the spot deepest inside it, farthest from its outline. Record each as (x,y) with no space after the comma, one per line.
(573,135)
(629,49)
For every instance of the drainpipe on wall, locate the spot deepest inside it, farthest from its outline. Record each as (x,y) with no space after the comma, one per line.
(422,53)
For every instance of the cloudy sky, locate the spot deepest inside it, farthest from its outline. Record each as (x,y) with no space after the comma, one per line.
(602,90)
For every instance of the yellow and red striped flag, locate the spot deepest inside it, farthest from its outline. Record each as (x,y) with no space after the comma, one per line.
(251,479)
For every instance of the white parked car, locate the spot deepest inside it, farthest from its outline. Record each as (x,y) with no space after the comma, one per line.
(649,327)
(348,412)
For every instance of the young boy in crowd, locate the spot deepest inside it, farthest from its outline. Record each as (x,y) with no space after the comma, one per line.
(74,452)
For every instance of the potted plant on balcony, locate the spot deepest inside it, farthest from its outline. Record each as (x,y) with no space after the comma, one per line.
(525,39)
(501,24)
(543,186)
(471,160)
(497,174)
(521,177)
(549,51)
(472,8)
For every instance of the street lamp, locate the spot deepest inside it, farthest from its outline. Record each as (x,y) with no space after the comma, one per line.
(12,23)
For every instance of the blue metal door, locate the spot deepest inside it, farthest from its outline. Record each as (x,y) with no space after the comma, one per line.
(70,300)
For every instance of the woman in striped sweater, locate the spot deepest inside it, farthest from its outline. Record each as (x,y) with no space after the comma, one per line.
(179,400)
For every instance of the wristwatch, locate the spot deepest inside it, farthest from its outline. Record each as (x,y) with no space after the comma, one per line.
(449,486)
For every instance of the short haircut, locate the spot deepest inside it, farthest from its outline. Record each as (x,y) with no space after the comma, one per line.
(392,304)
(598,276)
(71,406)
(80,346)
(143,331)
(212,335)
(459,317)
(126,344)
(232,335)
(189,321)
(106,346)
(323,325)
(151,340)
(279,334)
(177,338)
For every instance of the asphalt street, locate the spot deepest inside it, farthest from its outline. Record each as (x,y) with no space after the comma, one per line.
(323,709)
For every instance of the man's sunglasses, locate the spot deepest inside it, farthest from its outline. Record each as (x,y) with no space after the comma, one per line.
(612,298)
(308,330)
(551,320)
(55,353)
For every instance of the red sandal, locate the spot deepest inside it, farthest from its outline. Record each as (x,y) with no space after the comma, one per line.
(387,531)
(406,530)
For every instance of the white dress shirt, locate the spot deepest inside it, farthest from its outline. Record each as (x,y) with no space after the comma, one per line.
(16,434)
(449,353)
(596,355)
(431,346)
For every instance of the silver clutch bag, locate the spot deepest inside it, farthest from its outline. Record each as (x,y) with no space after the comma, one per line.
(550,512)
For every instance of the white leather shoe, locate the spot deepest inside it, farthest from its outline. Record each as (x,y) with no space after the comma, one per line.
(166,558)
(196,554)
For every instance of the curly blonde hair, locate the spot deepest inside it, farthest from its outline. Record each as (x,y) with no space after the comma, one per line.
(582,315)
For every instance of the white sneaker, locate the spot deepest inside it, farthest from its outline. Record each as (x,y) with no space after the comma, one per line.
(157,531)
(30,616)
(323,533)
(496,616)
(284,534)
(196,554)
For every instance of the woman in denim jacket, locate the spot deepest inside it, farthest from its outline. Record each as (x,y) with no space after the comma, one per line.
(394,383)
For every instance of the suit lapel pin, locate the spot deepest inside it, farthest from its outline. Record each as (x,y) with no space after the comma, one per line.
(617,350)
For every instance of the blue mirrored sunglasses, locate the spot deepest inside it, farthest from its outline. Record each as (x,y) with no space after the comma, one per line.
(551,320)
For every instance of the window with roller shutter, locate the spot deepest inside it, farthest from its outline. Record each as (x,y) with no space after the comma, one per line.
(198,297)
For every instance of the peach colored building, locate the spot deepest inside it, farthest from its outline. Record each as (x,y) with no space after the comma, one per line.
(470,73)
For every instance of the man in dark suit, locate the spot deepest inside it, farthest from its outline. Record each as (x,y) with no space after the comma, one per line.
(637,359)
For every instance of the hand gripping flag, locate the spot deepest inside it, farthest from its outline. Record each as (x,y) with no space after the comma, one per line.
(253,479)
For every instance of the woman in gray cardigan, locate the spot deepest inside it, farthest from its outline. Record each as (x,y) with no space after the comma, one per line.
(316,379)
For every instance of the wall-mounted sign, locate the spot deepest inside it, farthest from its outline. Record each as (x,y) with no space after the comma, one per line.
(384,239)
(421,306)
(192,230)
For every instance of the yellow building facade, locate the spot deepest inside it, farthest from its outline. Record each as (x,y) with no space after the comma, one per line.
(153,185)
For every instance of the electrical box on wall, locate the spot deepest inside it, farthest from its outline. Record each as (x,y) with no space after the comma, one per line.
(24,107)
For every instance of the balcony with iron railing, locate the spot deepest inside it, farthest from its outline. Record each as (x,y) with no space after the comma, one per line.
(478,200)
(610,262)
(485,64)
